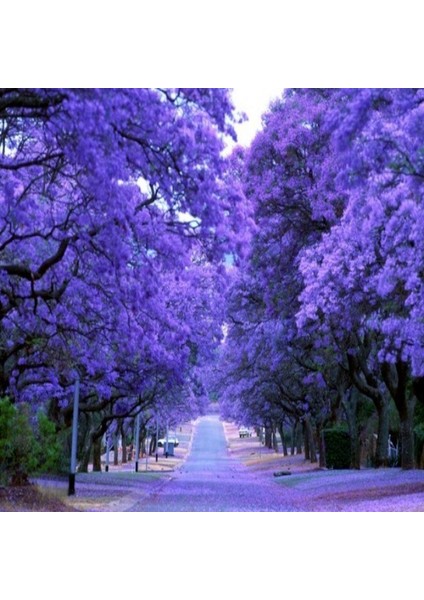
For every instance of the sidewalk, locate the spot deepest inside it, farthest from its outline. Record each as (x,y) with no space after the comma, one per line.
(261,460)
(121,487)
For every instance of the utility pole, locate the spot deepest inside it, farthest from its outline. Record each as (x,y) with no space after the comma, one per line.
(166,440)
(107,452)
(71,487)
(137,441)
(147,445)
(157,439)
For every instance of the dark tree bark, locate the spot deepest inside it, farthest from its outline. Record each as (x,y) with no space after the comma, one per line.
(382,450)
(350,407)
(115,449)
(274,439)
(268,438)
(124,445)
(85,458)
(396,378)
(322,462)
(306,441)
(293,441)
(309,435)
(86,445)
(97,454)
(152,447)
(367,383)
(283,441)
(299,439)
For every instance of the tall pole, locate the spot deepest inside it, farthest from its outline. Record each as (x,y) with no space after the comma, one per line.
(157,439)
(137,441)
(147,446)
(166,440)
(107,452)
(71,487)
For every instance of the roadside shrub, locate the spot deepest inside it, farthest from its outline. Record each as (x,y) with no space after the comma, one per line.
(17,444)
(337,448)
(49,449)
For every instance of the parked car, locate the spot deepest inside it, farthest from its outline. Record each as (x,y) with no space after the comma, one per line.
(245,432)
(171,440)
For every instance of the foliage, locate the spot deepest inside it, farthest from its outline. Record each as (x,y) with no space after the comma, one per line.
(419,446)
(330,295)
(419,413)
(337,448)
(123,229)
(49,450)
(117,213)
(17,443)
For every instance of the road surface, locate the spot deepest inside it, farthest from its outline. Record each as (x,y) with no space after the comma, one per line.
(211,480)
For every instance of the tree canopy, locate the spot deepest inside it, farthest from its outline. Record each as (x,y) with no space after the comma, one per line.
(286,278)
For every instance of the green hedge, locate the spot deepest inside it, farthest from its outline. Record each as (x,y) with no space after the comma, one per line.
(337,448)
(17,443)
(419,445)
(26,446)
(48,449)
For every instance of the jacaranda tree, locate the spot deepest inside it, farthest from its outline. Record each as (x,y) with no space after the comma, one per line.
(335,179)
(115,214)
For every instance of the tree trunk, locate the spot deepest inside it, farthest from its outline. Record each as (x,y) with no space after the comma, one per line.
(350,407)
(152,448)
(85,457)
(115,449)
(268,438)
(355,449)
(396,378)
(382,450)
(124,445)
(143,449)
(274,440)
(97,455)
(407,434)
(293,444)
(368,383)
(85,444)
(283,441)
(306,441)
(299,439)
(309,434)
(322,462)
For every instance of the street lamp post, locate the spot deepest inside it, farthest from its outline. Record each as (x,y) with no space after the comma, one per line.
(137,441)
(166,440)
(157,439)
(147,446)
(71,487)
(107,452)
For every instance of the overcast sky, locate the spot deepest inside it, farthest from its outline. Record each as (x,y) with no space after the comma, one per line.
(254,101)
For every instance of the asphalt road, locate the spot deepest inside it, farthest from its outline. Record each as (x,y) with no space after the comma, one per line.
(212,481)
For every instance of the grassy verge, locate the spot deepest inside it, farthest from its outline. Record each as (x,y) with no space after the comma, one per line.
(115,490)
(259,459)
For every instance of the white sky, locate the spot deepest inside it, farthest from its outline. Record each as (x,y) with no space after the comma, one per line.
(254,101)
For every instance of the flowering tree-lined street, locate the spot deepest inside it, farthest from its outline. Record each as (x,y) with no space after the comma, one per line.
(225,473)
(214,480)
(150,268)
(211,481)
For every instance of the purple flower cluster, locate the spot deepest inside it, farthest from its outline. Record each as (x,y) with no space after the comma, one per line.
(115,218)
(326,315)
